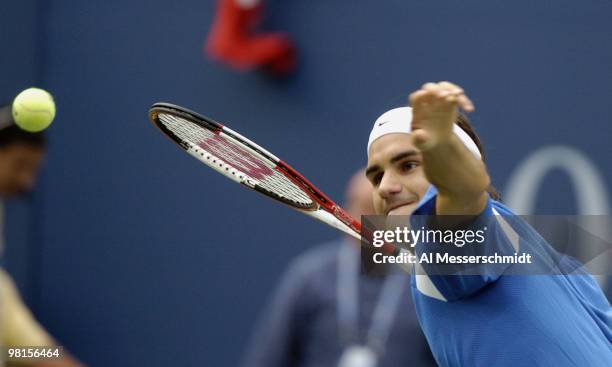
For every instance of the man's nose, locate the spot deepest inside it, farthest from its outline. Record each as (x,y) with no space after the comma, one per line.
(389,185)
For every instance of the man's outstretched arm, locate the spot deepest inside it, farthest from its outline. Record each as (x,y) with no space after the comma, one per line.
(459,176)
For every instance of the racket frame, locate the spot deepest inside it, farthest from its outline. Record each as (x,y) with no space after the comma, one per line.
(323,209)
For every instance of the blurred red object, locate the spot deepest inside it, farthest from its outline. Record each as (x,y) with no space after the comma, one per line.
(234,40)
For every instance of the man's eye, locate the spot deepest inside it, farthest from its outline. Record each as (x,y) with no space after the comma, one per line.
(409,166)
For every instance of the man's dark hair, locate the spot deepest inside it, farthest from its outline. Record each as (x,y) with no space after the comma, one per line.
(12,133)
(466,125)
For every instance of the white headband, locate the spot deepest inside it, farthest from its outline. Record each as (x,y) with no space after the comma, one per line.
(399,120)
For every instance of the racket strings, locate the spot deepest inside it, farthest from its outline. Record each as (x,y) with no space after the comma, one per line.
(241,159)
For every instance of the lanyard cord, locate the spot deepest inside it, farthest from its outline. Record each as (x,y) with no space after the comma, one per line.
(348,303)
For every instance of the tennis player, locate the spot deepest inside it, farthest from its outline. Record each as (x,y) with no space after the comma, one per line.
(427,160)
(21,154)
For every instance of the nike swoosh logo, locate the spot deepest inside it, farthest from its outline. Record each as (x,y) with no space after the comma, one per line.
(382,123)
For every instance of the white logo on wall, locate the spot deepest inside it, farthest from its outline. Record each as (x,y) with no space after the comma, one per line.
(589,190)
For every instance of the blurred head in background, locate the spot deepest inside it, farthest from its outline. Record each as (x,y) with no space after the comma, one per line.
(359,195)
(21,155)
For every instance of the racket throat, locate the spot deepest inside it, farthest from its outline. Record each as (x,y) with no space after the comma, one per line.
(331,220)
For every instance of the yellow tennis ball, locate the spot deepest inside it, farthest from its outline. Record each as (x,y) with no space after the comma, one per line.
(33,109)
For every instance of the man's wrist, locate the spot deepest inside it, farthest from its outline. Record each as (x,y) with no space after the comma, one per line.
(443,145)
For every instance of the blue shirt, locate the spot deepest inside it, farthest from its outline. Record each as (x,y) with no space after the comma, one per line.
(494,319)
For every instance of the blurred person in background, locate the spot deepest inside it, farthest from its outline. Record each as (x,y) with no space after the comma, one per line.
(326,312)
(21,155)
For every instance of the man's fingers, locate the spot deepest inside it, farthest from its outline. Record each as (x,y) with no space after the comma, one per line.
(453,93)
(451,99)
(465,103)
(420,97)
(432,87)
(442,89)
(445,92)
(454,88)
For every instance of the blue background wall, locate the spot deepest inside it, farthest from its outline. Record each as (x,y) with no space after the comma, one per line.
(132,253)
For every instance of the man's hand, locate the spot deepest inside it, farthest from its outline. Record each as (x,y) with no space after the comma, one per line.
(435,111)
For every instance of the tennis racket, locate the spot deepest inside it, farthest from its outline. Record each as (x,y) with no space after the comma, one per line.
(250,165)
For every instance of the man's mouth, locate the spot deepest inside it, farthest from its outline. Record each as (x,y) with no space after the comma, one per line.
(397,206)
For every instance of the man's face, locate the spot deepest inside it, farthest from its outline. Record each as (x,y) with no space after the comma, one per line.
(395,171)
(19,165)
